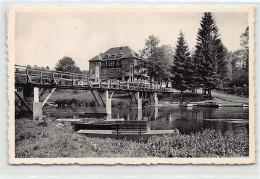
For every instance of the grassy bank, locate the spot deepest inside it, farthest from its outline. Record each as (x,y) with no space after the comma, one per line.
(78,97)
(69,96)
(50,139)
(186,97)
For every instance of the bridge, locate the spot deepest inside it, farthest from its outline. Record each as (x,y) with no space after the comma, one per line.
(31,84)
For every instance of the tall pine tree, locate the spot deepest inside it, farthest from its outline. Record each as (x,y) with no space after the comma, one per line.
(209,54)
(182,68)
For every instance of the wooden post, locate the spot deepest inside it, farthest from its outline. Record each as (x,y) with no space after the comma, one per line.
(27,75)
(49,95)
(41,78)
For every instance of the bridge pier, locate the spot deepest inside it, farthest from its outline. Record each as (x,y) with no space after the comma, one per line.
(31,97)
(107,101)
(138,100)
(154,99)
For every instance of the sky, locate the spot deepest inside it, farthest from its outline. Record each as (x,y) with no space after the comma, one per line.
(43,38)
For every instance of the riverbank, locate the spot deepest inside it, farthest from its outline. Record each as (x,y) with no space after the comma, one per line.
(85,98)
(51,139)
(217,97)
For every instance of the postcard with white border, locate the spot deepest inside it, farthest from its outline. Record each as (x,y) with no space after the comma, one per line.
(131,84)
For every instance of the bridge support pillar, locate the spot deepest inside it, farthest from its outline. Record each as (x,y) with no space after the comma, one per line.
(138,100)
(37,106)
(37,111)
(154,99)
(107,101)
(31,97)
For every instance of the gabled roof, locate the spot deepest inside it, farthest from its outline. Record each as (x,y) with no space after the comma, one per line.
(125,51)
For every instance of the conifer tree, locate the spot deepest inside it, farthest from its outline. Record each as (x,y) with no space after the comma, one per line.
(182,68)
(209,54)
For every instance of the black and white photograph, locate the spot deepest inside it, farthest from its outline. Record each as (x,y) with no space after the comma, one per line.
(131,85)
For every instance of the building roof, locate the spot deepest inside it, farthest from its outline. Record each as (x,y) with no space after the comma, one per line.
(116,52)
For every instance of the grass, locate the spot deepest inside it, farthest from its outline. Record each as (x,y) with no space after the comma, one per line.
(69,96)
(230,97)
(35,139)
(187,97)
(49,140)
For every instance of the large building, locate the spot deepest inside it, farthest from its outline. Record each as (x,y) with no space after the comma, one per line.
(118,63)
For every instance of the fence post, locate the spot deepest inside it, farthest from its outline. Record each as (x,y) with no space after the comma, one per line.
(27,75)
(41,77)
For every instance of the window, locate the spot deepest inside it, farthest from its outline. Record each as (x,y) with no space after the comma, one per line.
(111,63)
(124,61)
(111,71)
(120,55)
(104,63)
(104,72)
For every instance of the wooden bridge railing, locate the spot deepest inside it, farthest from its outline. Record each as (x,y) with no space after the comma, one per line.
(25,75)
(43,76)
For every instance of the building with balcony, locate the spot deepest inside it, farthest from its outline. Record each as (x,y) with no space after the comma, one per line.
(118,63)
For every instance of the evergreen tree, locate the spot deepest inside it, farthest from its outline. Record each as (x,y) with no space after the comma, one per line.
(182,68)
(209,54)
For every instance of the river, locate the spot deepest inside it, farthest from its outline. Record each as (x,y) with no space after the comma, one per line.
(186,120)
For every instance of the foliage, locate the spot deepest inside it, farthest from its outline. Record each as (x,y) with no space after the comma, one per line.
(209,54)
(66,64)
(166,56)
(51,140)
(239,62)
(182,68)
(157,59)
(244,41)
(239,74)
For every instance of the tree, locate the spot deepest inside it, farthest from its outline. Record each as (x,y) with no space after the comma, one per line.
(165,55)
(66,64)
(182,68)
(244,39)
(209,54)
(239,62)
(150,56)
(157,59)
(239,74)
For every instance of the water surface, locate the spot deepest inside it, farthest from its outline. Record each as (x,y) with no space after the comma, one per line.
(186,120)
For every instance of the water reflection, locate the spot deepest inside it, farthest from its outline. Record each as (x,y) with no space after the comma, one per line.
(186,120)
